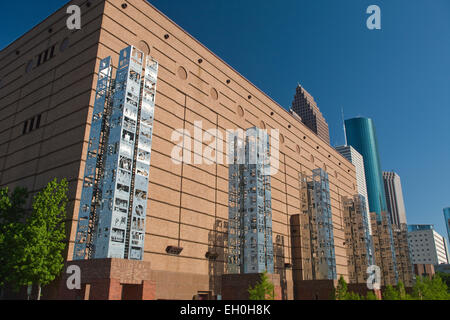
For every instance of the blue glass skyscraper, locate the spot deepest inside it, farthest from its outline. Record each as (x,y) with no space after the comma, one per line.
(361,135)
(447,221)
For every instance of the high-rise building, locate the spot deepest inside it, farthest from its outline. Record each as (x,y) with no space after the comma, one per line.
(426,245)
(447,221)
(357,160)
(305,106)
(361,135)
(250,204)
(394,198)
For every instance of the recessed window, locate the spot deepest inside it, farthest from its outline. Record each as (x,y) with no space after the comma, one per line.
(25,127)
(38,121)
(31,124)
(298,149)
(263,125)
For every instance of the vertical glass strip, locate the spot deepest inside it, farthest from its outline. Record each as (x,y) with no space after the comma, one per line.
(89,189)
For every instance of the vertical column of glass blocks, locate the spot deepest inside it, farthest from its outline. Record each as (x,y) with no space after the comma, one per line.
(91,172)
(324,258)
(250,212)
(234,204)
(360,203)
(117,182)
(142,170)
(392,245)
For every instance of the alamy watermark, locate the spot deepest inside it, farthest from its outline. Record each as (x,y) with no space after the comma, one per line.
(374,21)
(231,146)
(74,20)
(374,277)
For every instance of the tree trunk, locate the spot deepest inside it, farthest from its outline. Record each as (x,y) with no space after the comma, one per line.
(39,292)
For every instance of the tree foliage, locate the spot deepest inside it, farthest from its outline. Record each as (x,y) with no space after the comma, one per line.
(263,290)
(12,214)
(32,246)
(430,289)
(341,292)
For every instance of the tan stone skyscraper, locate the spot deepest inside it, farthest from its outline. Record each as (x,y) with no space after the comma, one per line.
(305,106)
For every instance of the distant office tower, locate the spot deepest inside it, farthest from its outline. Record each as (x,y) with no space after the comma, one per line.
(250,212)
(357,160)
(361,135)
(427,246)
(312,231)
(447,221)
(357,238)
(394,198)
(384,247)
(305,106)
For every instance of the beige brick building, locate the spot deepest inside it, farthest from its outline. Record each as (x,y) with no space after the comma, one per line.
(46,99)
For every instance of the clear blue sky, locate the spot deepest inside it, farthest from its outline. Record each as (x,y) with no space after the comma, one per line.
(398,76)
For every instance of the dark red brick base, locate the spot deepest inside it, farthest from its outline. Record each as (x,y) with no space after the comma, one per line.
(109,279)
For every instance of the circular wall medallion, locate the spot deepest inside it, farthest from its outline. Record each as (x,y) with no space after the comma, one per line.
(182,73)
(240,111)
(214,94)
(144,47)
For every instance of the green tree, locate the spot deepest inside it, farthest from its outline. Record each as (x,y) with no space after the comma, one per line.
(263,290)
(402,295)
(353,296)
(430,289)
(371,296)
(341,292)
(446,278)
(390,293)
(12,215)
(42,237)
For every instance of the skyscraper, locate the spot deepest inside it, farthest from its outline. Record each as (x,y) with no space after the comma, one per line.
(447,221)
(361,135)
(357,160)
(394,198)
(305,106)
